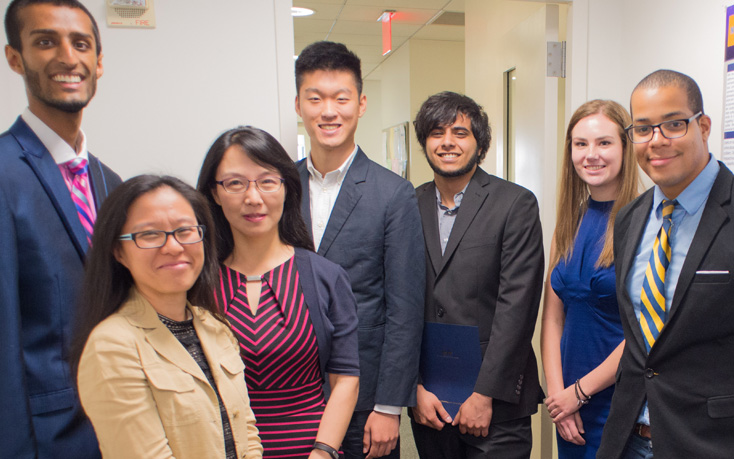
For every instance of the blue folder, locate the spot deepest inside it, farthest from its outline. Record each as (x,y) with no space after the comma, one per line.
(450,362)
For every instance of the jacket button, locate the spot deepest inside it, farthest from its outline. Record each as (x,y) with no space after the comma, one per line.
(649,373)
(441,312)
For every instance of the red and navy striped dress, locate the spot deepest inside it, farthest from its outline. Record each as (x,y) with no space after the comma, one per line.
(278,346)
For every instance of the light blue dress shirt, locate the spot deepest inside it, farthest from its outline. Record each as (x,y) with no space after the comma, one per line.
(686,216)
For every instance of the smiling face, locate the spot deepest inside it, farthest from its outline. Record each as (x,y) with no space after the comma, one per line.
(330,105)
(671,163)
(452,151)
(596,153)
(170,271)
(251,214)
(58,61)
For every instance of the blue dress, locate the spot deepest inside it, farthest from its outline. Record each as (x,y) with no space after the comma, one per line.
(593,328)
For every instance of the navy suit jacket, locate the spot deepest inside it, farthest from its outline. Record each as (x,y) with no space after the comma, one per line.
(490,276)
(42,248)
(688,377)
(374,233)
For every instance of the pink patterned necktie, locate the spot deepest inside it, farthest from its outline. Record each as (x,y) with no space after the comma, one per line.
(78,167)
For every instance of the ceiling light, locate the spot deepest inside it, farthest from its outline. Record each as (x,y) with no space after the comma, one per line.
(298,12)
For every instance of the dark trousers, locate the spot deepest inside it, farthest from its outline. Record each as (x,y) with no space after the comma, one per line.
(352,444)
(506,440)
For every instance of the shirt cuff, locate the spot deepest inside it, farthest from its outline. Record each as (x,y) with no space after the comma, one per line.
(388,409)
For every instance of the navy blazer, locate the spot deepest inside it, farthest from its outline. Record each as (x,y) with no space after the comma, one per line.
(490,276)
(333,312)
(688,376)
(374,233)
(42,248)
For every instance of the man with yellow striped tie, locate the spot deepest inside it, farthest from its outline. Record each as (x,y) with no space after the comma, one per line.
(674,252)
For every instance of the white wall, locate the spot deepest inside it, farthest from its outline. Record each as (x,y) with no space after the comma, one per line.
(168,92)
(614,44)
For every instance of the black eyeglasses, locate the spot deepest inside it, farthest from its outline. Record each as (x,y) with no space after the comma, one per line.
(154,239)
(240,185)
(671,129)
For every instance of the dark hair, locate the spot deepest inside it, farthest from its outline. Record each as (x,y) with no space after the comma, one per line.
(13,25)
(107,282)
(327,55)
(265,151)
(441,110)
(664,77)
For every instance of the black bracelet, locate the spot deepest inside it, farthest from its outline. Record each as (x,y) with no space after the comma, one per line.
(324,447)
(579,400)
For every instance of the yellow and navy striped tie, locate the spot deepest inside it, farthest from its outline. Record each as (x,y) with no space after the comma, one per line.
(653,315)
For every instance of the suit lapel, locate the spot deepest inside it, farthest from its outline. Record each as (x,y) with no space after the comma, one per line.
(97,181)
(429,219)
(305,196)
(638,220)
(348,197)
(48,174)
(474,196)
(712,219)
(141,314)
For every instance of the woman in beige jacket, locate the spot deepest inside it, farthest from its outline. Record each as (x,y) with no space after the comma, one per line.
(158,377)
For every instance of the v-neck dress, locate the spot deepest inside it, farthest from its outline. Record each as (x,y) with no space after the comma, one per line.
(279,348)
(593,328)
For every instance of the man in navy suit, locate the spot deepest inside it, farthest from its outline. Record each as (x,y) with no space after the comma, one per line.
(364,218)
(674,390)
(55,47)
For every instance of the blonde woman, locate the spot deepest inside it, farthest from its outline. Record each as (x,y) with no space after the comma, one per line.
(582,338)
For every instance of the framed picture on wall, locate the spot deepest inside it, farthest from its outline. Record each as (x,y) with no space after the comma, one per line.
(395,148)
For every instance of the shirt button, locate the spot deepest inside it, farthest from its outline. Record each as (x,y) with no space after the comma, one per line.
(321,224)
(235,414)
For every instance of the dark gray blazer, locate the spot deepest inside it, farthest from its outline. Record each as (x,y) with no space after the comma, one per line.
(42,250)
(688,377)
(374,233)
(490,276)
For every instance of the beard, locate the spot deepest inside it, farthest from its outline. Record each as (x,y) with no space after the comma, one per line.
(469,167)
(33,80)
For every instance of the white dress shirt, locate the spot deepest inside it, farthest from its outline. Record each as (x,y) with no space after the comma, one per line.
(324,189)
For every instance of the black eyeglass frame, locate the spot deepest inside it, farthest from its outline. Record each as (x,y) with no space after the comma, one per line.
(652,127)
(133,236)
(247,187)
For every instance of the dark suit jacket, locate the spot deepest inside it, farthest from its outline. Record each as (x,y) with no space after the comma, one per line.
(374,233)
(490,276)
(42,247)
(688,378)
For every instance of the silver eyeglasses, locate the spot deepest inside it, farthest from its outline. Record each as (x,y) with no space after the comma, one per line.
(671,129)
(153,239)
(269,184)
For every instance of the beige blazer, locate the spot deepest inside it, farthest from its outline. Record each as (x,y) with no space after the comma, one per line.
(148,398)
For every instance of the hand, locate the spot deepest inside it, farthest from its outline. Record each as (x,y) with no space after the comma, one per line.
(570,428)
(380,434)
(474,415)
(429,410)
(562,404)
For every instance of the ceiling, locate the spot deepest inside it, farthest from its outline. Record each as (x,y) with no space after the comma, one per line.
(354,23)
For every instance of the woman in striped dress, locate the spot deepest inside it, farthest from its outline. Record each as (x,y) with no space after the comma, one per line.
(292,311)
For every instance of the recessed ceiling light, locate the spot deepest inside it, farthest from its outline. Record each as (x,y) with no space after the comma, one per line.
(298,12)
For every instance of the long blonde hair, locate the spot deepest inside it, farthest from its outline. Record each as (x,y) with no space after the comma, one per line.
(573,198)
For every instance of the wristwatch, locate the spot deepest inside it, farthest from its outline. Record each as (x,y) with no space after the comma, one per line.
(324,447)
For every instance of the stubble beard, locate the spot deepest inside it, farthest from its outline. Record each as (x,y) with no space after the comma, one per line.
(33,80)
(474,161)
